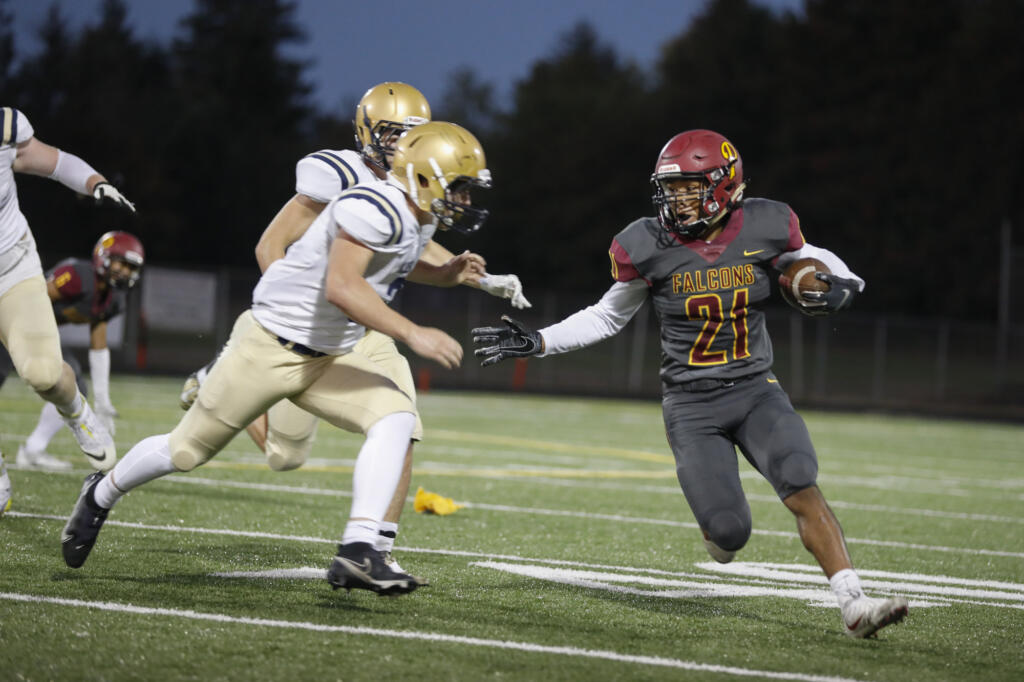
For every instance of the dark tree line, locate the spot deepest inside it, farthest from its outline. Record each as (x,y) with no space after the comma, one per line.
(895,130)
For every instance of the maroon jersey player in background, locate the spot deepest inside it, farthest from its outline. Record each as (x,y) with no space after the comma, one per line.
(706,262)
(84,291)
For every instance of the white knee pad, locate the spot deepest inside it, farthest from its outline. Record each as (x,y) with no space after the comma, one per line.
(41,373)
(187,453)
(284,454)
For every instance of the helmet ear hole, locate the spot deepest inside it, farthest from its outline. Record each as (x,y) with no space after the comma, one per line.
(423,180)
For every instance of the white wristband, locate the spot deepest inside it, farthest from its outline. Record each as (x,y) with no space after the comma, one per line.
(99,371)
(72,172)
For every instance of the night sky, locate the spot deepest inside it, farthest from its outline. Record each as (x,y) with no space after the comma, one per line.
(498,39)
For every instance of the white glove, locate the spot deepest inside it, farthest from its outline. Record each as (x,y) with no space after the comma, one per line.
(505,286)
(107,414)
(105,192)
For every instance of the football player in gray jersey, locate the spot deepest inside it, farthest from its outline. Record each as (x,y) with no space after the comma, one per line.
(706,261)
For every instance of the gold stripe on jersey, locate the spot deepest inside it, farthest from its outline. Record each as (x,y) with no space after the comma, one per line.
(7,115)
(383,205)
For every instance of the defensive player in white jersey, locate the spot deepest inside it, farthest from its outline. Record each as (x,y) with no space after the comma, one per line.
(27,326)
(286,433)
(309,311)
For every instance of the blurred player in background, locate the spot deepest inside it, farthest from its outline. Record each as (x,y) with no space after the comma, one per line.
(310,310)
(706,262)
(286,433)
(28,329)
(85,291)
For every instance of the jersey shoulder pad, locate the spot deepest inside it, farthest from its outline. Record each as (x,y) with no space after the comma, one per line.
(324,174)
(67,279)
(14,127)
(371,213)
(775,222)
(631,248)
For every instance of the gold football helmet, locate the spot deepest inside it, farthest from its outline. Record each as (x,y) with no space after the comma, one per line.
(385,112)
(437,164)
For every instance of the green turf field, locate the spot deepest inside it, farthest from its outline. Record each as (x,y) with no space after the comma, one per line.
(575,557)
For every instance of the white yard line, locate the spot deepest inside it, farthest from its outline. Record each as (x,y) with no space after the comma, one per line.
(428,637)
(550,512)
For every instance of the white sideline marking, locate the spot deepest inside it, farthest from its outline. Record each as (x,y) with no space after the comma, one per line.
(429,637)
(549,512)
(740,579)
(769,580)
(763,570)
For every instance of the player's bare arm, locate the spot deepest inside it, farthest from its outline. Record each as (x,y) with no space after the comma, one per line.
(502,286)
(466,268)
(35,157)
(347,289)
(287,227)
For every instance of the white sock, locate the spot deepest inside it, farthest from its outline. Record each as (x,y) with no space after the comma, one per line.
(846,586)
(50,422)
(386,536)
(74,408)
(149,459)
(378,467)
(360,530)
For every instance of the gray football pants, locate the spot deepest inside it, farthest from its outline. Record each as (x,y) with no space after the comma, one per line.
(704,428)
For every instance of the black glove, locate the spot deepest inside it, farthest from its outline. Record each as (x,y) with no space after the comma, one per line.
(494,344)
(105,193)
(839,296)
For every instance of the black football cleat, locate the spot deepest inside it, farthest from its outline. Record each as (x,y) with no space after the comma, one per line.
(84,525)
(358,565)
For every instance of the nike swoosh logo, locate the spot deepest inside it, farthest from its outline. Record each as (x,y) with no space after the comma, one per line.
(361,568)
(751,253)
(846,295)
(773,381)
(98,458)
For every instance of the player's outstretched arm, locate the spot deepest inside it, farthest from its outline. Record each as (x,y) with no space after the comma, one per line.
(514,340)
(475,275)
(465,268)
(348,290)
(35,157)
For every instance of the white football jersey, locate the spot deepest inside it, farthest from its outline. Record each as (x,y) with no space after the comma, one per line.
(289,300)
(325,174)
(14,129)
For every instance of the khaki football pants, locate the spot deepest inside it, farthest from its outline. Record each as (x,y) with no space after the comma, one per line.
(291,430)
(29,332)
(256,371)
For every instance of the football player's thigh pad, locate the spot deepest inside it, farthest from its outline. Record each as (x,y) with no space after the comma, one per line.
(253,373)
(353,393)
(381,349)
(290,435)
(30,333)
(707,469)
(775,437)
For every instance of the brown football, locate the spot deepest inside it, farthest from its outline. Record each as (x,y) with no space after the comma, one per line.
(799,277)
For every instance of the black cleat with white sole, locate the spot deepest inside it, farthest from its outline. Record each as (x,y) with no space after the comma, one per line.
(84,525)
(358,565)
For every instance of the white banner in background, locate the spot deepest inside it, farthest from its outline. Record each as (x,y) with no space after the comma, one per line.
(179,300)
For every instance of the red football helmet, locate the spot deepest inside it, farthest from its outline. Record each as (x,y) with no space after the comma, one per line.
(121,246)
(702,155)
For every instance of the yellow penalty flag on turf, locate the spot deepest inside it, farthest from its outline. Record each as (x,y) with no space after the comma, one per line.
(434,503)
